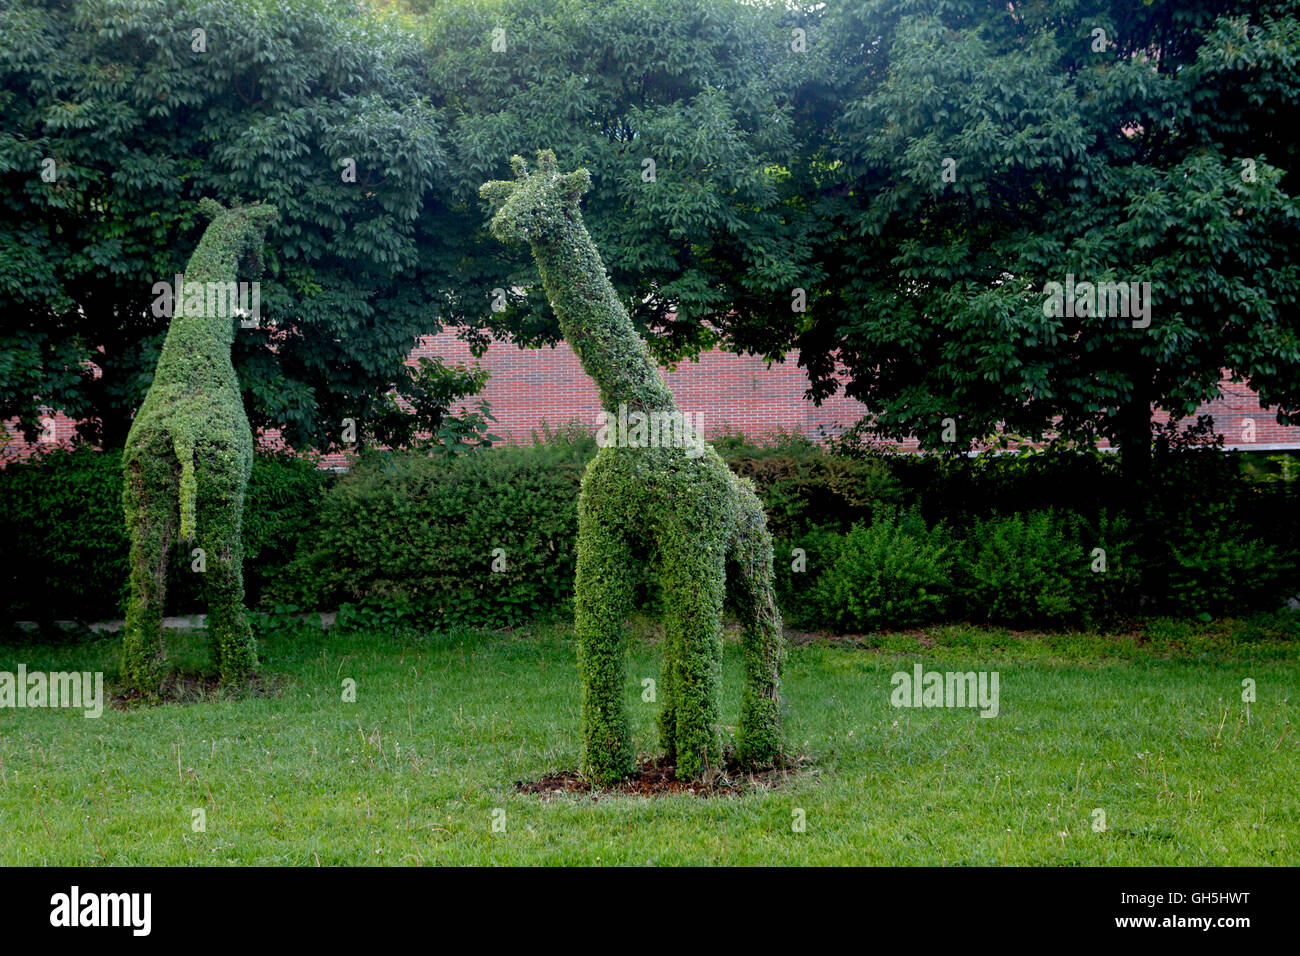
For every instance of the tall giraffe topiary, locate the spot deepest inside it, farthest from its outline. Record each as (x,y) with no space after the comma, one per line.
(188,458)
(700,520)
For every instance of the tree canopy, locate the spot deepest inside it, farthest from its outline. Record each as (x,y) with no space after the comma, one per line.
(136,107)
(888,186)
(140,112)
(983,150)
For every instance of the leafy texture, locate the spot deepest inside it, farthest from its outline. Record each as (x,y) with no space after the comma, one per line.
(692,512)
(62,522)
(187,462)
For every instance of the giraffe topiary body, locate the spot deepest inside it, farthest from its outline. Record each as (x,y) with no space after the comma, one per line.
(705,525)
(187,461)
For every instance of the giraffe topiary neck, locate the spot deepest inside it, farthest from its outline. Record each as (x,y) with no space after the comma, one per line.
(199,335)
(595,323)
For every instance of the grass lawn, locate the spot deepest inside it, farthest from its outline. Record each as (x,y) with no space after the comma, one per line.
(1151,729)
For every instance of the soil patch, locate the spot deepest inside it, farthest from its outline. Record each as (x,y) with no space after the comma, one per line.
(196,689)
(653,777)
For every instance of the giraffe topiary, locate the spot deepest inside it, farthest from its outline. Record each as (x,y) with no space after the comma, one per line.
(188,458)
(704,525)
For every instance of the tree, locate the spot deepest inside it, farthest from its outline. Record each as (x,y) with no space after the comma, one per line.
(984,150)
(119,113)
(138,120)
(679,126)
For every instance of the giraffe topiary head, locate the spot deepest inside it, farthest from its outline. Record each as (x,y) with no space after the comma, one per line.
(245,226)
(533,206)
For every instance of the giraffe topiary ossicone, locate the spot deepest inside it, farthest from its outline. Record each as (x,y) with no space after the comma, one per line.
(189,455)
(701,520)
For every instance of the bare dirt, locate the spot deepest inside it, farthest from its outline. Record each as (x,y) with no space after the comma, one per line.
(195,689)
(654,777)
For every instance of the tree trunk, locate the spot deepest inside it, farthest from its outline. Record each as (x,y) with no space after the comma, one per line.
(1134,436)
(1133,433)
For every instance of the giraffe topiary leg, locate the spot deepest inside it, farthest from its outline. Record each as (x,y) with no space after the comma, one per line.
(759,736)
(669,691)
(694,576)
(691,502)
(149,497)
(220,509)
(601,603)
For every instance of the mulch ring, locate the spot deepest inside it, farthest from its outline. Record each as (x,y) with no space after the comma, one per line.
(197,688)
(654,778)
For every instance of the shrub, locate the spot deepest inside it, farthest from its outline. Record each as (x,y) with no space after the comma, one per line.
(1224,571)
(421,535)
(1113,585)
(280,509)
(959,491)
(802,486)
(1027,569)
(1219,543)
(65,535)
(889,574)
(798,564)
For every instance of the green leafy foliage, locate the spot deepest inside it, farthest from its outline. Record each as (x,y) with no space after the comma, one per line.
(280,508)
(775,169)
(64,520)
(1228,571)
(892,573)
(419,533)
(704,527)
(280,101)
(802,486)
(960,156)
(1229,544)
(141,115)
(190,449)
(65,535)
(704,96)
(1025,569)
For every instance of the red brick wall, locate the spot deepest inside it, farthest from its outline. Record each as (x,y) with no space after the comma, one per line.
(733,393)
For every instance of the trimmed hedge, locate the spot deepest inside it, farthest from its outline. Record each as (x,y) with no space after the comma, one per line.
(422,533)
(803,487)
(406,537)
(65,540)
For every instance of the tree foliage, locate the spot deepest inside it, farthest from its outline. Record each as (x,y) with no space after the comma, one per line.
(675,107)
(1158,155)
(140,114)
(282,95)
(793,149)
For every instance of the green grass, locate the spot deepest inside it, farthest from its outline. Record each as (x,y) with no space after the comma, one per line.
(1149,728)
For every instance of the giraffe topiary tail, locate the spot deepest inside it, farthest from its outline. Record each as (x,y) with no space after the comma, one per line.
(189,490)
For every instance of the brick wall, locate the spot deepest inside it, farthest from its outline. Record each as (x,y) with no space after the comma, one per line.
(733,393)
(736,393)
